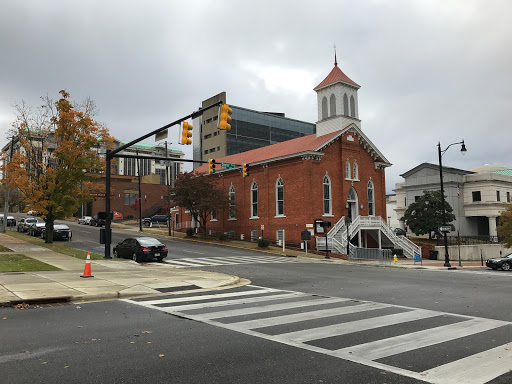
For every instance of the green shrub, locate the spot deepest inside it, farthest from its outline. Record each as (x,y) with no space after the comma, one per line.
(263,243)
(190,232)
(223,237)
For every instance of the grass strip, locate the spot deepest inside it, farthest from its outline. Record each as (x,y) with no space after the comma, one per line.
(4,249)
(22,263)
(59,248)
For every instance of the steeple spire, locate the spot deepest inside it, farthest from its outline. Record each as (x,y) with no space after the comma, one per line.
(335,60)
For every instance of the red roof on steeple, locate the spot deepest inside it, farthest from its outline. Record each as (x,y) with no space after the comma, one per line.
(335,76)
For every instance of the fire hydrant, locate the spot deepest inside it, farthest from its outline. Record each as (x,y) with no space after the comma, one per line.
(395,259)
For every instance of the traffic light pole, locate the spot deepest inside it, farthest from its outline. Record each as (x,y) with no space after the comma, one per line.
(113,153)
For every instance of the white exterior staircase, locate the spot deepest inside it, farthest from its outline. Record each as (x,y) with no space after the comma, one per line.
(337,236)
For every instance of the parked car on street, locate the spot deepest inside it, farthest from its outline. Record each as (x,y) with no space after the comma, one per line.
(25,223)
(11,221)
(156,219)
(141,248)
(60,232)
(504,262)
(399,232)
(85,220)
(36,229)
(97,221)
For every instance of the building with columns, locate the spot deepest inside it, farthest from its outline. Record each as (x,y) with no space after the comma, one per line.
(477,196)
(336,174)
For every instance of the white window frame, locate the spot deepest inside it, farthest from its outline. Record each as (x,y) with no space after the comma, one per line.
(326,187)
(371,199)
(348,169)
(355,171)
(254,204)
(232,203)
(279,185)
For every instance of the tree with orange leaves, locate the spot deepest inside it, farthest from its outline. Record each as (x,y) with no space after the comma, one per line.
(56,159)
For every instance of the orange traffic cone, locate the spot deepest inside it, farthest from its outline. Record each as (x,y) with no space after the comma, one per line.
(87,269)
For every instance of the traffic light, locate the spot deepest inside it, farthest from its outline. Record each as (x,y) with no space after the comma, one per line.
(212,163)
(246,170)
(187,132)
(225,117)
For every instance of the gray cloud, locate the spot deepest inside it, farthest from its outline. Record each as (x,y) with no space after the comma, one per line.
(430,71)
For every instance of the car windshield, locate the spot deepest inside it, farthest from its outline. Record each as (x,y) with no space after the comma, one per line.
(509,256)
(148,241)
(60,226)
(30,220)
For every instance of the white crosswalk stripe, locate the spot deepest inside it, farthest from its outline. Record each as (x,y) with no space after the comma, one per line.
(229,260)
(291,317)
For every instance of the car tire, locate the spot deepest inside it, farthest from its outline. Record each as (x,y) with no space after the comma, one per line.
(135,258)
(505,266)
(147,224)
(115,253)
(159,259)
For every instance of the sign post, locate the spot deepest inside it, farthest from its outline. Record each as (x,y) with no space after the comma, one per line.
(262,228)
(305,235)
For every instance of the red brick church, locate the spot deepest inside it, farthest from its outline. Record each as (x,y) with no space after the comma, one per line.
(336,173)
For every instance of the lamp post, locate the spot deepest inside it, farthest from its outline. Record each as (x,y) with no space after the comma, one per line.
(348,220)
(441,153)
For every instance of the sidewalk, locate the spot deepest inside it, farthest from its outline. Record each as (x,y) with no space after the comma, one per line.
(112,278)
(124,279)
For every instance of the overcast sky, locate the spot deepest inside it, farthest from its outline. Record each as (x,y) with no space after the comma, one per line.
(429,71)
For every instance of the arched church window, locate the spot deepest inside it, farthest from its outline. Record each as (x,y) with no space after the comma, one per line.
(333,105)
(232,202)
(345,105)
(324,108)
(352,106)
(371,199)
(347,170)
(355,173)
(279,197)
(254,199)
(327,195)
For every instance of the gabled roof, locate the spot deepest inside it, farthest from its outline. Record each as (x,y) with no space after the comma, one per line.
(435,166)
(310,144)
(336,76)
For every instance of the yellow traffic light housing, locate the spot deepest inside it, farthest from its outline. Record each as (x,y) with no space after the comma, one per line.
(211,164)
(246,170)
(185,136)
(225,118)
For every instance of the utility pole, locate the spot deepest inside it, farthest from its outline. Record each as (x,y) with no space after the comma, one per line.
(7,190)
(168,177)
(140,193)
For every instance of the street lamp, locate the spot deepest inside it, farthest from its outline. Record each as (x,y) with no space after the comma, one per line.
(348,220)
(463,151)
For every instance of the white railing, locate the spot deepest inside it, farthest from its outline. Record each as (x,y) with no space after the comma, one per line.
(337,236)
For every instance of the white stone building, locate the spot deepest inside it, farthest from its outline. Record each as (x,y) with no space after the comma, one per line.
(477,196)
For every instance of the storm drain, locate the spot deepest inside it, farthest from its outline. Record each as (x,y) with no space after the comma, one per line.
(178,288)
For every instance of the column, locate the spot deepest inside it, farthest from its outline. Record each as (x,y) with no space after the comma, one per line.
(492,228)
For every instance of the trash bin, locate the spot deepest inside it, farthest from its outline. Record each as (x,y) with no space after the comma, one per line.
(433,254)
(103,232)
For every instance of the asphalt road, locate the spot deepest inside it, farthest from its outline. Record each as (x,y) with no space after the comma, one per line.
(372,325)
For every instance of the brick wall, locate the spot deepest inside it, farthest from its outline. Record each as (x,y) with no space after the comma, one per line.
(303,191)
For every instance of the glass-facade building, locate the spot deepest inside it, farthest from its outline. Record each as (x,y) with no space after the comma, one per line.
(251,129)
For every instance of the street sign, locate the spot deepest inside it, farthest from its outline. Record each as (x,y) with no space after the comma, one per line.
(227,165)
(445,228)
(305,235)
(161,135)
(262,227)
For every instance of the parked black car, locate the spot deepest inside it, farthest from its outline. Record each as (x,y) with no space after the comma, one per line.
(156,219)
(60,232)
(399,232)
(98,220)
(36,229)
(141,248)
(504,262)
